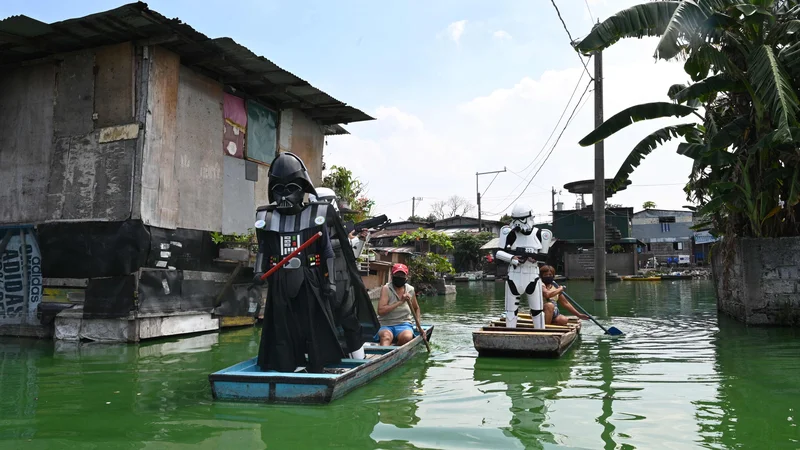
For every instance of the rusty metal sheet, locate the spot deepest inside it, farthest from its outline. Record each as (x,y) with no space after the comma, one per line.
(26,140)
(199,162)
(159,191)
(74,105)
(114,94)
(307,142)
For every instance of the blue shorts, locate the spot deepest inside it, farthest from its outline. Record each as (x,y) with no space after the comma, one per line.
(396,330)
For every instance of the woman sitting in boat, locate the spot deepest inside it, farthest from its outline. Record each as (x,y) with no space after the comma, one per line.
(395,308)
(555,294)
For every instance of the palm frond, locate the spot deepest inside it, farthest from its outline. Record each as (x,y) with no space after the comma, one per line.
(704,89)
(646,19)
(685,21)
(772,85)
(644,148)
(622,119)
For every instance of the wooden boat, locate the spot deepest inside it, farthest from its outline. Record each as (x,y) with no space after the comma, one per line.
(245,382)
(640,278)
(678,276)
(524,340)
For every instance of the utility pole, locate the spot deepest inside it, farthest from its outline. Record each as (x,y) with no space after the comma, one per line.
(414,204)
(599,195)
(478,193)
(553,201)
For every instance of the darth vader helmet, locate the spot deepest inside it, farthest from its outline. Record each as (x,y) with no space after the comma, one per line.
(288,183)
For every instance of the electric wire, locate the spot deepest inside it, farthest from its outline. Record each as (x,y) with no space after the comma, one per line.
(570,37)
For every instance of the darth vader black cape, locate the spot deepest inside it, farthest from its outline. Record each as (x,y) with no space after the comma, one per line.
(352,309)
(298,319)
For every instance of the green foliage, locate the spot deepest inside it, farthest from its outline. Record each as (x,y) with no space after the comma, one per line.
(622,119)
(743,57)
(467,249)
(426,268)
(350,191)
(649,205)
(505,218)
(616,248)
(431,218)
(436,239)
(218,238)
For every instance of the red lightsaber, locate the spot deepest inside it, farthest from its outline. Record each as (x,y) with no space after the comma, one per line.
(292,255)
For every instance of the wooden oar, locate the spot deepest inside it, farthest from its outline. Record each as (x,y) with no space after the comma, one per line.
(613,331)
(415,313)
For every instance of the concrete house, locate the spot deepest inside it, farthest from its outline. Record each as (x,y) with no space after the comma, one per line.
(664,233)
(126,140)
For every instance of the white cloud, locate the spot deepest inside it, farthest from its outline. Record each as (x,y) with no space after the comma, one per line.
(501,35)
(406,155)
(456,29)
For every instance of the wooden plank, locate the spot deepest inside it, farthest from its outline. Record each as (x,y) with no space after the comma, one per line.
(114,97)
(74,106)
(199,161)
(26,142)
(159,196)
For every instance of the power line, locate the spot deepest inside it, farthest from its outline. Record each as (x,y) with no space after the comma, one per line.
(554,144)
(589,9)
(570,37)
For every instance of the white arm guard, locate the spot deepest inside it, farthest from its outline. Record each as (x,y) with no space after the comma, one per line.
(503,255)
(547,240)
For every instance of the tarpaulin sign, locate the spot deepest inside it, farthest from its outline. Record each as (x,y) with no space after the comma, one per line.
(20,276)
(235,126)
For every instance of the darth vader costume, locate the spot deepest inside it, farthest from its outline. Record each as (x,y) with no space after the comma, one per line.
(352,308)
(298,319)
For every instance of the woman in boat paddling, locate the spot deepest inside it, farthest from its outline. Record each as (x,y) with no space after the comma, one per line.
(552,295)
(395,308)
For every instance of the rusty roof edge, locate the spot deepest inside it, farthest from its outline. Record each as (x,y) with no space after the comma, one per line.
(329,113)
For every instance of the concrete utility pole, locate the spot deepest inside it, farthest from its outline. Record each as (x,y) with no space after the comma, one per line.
(599,194)
(414,201)
(478,193)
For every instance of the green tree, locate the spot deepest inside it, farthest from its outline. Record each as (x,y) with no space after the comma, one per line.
(743,58)
(648,205)
(350,191)
(467,249)
(436,239)
(505,218)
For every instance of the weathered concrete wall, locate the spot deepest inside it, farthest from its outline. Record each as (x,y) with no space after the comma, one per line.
(758,280)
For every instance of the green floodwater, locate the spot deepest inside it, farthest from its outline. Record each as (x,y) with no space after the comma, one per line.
(680,378)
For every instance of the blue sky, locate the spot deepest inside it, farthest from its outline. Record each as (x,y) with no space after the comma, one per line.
(458,86)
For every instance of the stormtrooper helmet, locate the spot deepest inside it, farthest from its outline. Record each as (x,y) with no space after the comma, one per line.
(522,218)
(326,195)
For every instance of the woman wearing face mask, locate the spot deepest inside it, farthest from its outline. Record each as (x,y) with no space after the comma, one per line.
(551,295)
(395,308)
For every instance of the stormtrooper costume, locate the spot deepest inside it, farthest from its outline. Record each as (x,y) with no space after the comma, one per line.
(521,239)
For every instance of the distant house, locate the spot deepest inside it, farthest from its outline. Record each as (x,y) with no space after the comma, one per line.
(664,233)
(573,252)
(455,224)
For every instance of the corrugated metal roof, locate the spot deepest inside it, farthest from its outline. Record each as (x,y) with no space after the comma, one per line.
(389,233)
(406,250)
(23,39)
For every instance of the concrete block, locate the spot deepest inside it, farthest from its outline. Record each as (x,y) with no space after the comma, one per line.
(782,286)
(234,254)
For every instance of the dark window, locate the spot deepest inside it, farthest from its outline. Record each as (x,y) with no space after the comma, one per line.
(666,219)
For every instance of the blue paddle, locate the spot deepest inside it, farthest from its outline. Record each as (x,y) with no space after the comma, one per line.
(613,331)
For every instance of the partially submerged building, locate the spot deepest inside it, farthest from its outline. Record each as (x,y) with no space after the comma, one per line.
(665,234)
(126,141)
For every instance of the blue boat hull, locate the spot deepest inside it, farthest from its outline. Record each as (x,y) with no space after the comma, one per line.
(245,382)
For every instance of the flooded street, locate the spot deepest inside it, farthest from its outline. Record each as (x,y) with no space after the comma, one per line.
(680,378)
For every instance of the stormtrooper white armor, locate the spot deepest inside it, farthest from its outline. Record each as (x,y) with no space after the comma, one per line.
(529,244)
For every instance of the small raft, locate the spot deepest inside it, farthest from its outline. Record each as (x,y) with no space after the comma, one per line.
(640,278)
(245,382)
(679,276)
(525,341)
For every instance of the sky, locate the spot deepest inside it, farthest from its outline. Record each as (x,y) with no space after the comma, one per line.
(457,87)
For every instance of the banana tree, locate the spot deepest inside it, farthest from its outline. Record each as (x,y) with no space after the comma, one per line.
(743,57)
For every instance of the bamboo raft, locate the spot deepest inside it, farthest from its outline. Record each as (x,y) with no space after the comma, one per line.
(525,341)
